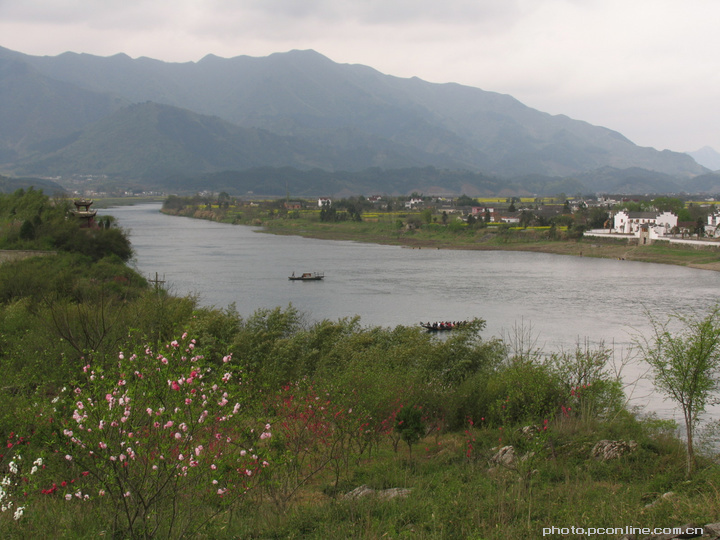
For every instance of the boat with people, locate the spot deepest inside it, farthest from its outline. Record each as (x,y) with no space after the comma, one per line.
(442,326)
(307,276)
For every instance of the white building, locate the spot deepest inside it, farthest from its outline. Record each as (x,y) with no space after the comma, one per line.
(481,211)
(658,223)
(413,203)
(713,224)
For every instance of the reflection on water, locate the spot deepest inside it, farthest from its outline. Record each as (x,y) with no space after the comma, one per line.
(563,300)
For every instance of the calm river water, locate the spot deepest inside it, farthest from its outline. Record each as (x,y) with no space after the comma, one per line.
(561,300)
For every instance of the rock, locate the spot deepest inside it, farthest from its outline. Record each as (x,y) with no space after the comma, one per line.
(505,456)
(606,450)
(665,496)
(359,492)
(384,494)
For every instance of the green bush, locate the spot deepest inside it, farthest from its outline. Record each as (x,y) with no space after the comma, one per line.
(521,391)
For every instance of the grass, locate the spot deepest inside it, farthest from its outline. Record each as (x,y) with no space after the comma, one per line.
(455,495)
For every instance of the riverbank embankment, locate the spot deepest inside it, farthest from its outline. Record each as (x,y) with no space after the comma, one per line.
(689,253)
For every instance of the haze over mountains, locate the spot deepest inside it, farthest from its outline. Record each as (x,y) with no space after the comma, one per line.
(263,124)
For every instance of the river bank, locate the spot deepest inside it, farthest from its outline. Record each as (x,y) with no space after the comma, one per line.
(492,239)
(390,230)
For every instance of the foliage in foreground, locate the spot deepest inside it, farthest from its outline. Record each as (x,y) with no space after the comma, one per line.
(335,405)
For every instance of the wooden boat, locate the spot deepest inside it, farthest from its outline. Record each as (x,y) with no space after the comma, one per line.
(442,326)
(307,276)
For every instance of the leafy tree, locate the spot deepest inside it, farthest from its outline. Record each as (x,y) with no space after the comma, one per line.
(684,364)
(410,426)
(464,200)
(597,216)
(526,218)
(684,215)
(669,204)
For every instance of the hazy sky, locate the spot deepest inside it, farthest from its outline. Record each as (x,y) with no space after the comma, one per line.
(649,69)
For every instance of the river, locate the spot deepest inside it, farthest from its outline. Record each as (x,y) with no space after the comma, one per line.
(557,300)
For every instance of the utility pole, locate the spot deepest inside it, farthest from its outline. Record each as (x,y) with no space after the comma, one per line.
(157,282)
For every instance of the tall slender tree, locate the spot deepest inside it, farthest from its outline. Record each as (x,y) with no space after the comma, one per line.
(685,360)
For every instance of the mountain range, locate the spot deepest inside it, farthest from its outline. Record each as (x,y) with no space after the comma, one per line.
(323,127)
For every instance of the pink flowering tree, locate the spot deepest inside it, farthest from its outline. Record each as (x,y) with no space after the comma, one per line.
(157,432)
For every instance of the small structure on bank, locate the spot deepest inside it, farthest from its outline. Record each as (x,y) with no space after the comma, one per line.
(657,224)
(84,213)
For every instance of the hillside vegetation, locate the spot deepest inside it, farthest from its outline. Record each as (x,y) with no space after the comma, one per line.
(130,413)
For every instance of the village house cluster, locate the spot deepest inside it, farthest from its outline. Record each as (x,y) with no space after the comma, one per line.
(646,226)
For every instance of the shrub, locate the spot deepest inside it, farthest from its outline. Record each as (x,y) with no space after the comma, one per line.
(157,431)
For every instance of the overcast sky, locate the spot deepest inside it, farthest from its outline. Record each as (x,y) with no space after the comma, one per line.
(649,69)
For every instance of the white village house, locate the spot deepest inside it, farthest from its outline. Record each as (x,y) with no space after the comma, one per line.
(656,224)
(713,224)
